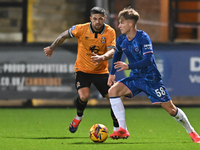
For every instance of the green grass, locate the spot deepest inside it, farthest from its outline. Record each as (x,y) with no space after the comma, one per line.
(47,129)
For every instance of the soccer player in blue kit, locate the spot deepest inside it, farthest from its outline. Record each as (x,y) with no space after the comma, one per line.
(144,76)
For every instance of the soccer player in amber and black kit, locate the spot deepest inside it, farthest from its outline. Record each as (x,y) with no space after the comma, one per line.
(96,44)
(144,76)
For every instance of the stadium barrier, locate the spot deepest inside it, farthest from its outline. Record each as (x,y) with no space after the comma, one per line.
(27,74)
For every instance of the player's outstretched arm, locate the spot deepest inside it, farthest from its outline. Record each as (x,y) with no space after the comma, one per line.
(48,51)
(60,39)
(99,58)
(109,54)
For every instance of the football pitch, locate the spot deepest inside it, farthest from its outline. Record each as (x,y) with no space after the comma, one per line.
(47,129)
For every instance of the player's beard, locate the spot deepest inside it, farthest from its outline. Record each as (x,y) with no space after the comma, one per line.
(98,28)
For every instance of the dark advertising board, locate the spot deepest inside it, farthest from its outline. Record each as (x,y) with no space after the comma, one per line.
(26,73)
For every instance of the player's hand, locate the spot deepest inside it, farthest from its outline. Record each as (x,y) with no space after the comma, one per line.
(97,58)
(48,51)
(121,65)
(111,80)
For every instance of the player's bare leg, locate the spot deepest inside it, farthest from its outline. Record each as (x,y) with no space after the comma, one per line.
(181,118)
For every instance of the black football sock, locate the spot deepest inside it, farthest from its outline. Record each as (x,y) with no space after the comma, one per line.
(115,122)
(80,105)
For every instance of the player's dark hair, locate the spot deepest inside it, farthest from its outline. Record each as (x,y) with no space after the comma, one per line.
(129,13)
(97,10)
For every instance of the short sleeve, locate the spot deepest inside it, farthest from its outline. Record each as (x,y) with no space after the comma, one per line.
(75,31)
(111,40)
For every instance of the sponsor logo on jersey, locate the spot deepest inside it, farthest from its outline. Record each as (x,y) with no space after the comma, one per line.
(136,49)
(103,40)
(94,48)
(147,46)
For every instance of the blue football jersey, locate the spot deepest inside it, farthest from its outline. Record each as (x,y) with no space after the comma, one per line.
(135,50)
(144,74)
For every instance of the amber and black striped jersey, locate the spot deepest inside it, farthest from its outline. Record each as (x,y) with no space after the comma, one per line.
(90,41)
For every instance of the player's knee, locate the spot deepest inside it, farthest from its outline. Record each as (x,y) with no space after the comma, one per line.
(112,92)
(170,108)
(172,111)
(84,97)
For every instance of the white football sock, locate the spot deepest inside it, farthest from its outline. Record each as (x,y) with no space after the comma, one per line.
(115,128)
(183,120)
(119,111)
(79,118)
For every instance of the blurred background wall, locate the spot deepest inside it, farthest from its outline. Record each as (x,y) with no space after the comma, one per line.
(43,20)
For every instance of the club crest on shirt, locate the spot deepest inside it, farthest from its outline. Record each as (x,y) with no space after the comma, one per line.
(136,49)
(78,84)
(103,40)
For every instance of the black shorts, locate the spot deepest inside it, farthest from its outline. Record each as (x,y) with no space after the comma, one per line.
(86,79)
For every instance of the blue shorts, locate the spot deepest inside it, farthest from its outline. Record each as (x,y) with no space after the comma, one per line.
(154,89)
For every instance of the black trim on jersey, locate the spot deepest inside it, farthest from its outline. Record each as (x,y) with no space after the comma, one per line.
(70,33)
(96,33)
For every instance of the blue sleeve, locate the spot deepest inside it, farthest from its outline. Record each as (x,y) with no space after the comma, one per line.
(145,62)
(117,56)
(146,44)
